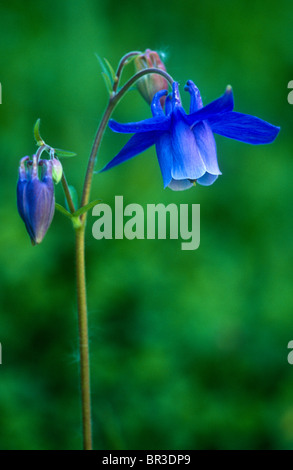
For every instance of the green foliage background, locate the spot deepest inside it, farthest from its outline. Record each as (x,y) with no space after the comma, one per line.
(188,348)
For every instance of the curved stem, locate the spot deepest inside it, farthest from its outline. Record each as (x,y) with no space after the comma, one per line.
(112,103)
(140,74)
(122,63)
(92,159)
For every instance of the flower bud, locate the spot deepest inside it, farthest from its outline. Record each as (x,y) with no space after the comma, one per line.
(150,84)
(57,170)
(35,197)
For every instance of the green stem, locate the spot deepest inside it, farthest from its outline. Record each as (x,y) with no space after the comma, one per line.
(67,193)
(140,74)
(92,158)
(83,337)
(122,63)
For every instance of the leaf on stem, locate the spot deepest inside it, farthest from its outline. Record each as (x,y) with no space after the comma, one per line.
(110,70)
(63,210)
(108,83)
(107,69)
(37,134)
(86,208)
(108,74)
(64,153)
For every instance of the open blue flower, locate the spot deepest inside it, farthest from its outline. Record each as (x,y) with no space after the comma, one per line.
(185,144)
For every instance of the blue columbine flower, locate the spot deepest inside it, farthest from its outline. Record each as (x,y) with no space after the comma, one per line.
(35,196)
(185,144)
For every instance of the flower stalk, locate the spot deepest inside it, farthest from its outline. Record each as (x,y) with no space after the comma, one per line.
(113,101)
(83,337)
(115,97)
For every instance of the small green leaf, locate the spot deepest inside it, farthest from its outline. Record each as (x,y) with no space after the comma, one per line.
(101,63)
(74,219)
(86,208)
(64,153)
(108,83)
(107,68)
(108,73)
(63,210)
(37,134)
(110,70)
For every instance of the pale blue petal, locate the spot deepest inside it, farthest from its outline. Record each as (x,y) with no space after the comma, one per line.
(206,147)
(180,185)
(187,161)
(207,179)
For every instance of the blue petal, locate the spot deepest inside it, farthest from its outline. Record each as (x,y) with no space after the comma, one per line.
(40,208)
(22,205)
(207,179)
(137,144)
(195,98)
(222,105)
(20,192)
(165,158)
(187,161)
(206,147)
(180,185)
(244,127)
(159,123)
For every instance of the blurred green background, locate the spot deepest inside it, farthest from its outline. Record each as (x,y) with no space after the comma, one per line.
(188,348)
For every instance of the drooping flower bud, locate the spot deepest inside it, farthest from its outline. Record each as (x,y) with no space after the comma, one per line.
(150,84)
(35,197)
